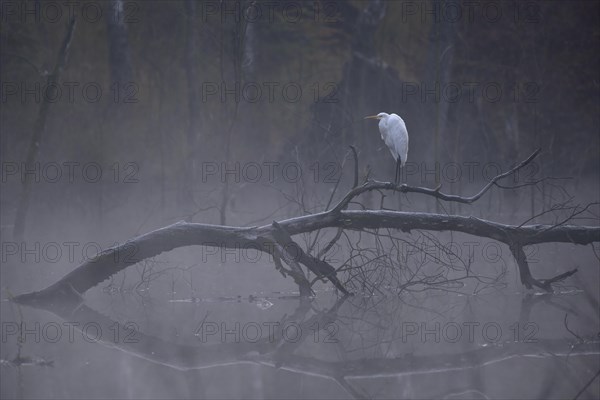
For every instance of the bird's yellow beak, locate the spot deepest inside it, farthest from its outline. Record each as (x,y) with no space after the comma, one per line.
(372,117)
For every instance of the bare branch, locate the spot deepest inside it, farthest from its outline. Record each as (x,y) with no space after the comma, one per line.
(376,185)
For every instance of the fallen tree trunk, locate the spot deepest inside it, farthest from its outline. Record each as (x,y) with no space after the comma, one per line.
(276,239)
(182,234)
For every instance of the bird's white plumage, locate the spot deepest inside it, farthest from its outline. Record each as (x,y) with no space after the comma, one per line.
(394,134)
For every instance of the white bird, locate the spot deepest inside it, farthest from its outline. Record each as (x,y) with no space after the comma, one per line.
(394,134)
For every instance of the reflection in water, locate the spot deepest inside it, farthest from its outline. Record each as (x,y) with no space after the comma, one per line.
(422,345)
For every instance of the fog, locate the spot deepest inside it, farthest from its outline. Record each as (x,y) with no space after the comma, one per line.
(189,188)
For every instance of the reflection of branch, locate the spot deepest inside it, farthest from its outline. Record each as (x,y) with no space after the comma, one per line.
(587,385)
(579,338)
(547,298)
(413,365)
(348,388)
(280,353)
(270,351)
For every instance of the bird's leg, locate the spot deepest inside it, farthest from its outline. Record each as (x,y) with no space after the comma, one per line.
(398,175)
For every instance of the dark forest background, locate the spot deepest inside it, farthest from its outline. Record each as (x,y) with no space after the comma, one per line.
(157,63)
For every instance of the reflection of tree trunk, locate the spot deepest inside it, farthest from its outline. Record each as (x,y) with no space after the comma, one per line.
(276,350)
(38,130)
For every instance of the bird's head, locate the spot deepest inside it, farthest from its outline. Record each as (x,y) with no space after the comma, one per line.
(381,115)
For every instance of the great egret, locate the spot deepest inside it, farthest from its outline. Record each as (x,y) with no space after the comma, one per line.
(394,134)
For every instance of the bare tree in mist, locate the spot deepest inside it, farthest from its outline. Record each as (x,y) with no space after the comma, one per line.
(192,72)
(53,82)
(121,69)
(442,42)
(229,118)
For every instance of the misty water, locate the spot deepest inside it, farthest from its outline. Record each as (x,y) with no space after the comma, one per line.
(222,323)
(133,127)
